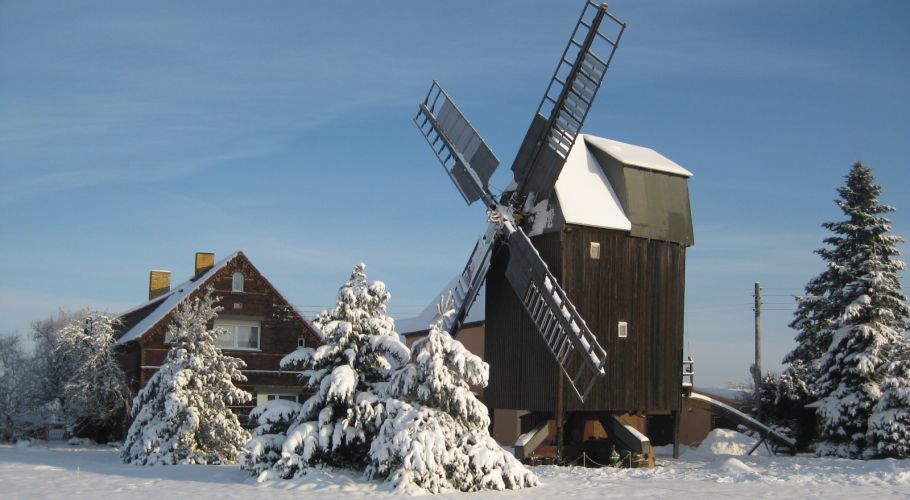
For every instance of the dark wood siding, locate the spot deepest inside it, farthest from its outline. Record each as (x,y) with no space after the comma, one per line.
(636,280)
(522,372)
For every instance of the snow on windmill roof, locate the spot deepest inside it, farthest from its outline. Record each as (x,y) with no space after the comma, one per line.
(637,156)
(585,195)
(421,322)
(168,302)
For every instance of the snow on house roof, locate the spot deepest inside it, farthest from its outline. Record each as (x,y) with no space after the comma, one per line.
(585,194)
(637,156)
(168,302)
(421,322)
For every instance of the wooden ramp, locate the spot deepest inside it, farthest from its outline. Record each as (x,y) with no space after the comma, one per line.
(767,434)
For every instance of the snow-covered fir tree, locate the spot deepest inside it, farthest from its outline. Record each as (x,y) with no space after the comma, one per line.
(872,321)
(335,426)
(182,415)
(96,398)
(815,313)
(435,435)
(888,433)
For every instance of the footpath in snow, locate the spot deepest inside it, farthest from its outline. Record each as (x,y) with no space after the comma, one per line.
(716,469)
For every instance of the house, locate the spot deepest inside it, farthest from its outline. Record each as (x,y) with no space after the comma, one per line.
(262,326)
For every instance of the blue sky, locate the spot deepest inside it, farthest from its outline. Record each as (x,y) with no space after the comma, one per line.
(133,134)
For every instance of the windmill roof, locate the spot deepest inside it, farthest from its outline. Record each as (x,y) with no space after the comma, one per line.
(637,156)
(168,302)
(421,322)
(585,195)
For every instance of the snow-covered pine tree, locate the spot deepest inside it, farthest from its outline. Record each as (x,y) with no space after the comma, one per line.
(435,435)
(888,433)
(182,415)
(95,396)
(336,425)
(873,320)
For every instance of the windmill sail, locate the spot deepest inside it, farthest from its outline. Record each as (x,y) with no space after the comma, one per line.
(463,153)
(470,162)
(574,346)
(566,102)
(469,283)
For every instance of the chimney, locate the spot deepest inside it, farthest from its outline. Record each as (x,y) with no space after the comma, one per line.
(204,262)
(159,283)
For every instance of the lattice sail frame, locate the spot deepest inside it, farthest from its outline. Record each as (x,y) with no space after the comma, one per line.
(470,162)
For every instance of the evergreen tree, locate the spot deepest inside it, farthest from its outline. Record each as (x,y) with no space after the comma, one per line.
(435,434)
(862,255)
(814,316)
(182,415)
(888,433)
(95,395)
(335,425)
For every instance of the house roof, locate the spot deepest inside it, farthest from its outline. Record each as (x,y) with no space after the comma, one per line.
(161,306)
(169,301)
(421,322)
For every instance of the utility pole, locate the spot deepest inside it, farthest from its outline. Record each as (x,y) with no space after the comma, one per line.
(756,368)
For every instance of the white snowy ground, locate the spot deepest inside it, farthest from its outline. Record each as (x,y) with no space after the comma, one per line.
(59,470)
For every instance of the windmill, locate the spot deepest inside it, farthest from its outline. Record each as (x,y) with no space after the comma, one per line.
(470,162)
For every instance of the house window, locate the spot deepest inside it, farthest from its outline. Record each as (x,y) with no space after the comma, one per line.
(237,282)
(286,397)
(262,397)
(238,334)
(301,342)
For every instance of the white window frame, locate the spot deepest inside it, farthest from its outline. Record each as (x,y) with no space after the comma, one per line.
(233,325)
(237,284)
(264,397)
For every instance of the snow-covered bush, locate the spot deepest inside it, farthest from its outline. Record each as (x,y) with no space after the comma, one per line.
(182,415)
(271,421)
(336,425)
(435,435)
(96,398)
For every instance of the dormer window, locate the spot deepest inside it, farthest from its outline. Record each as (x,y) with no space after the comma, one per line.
(237,282)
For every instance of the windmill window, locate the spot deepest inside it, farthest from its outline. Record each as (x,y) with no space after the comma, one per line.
(237,282)
(595,250)
(238,334)
(622,329)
